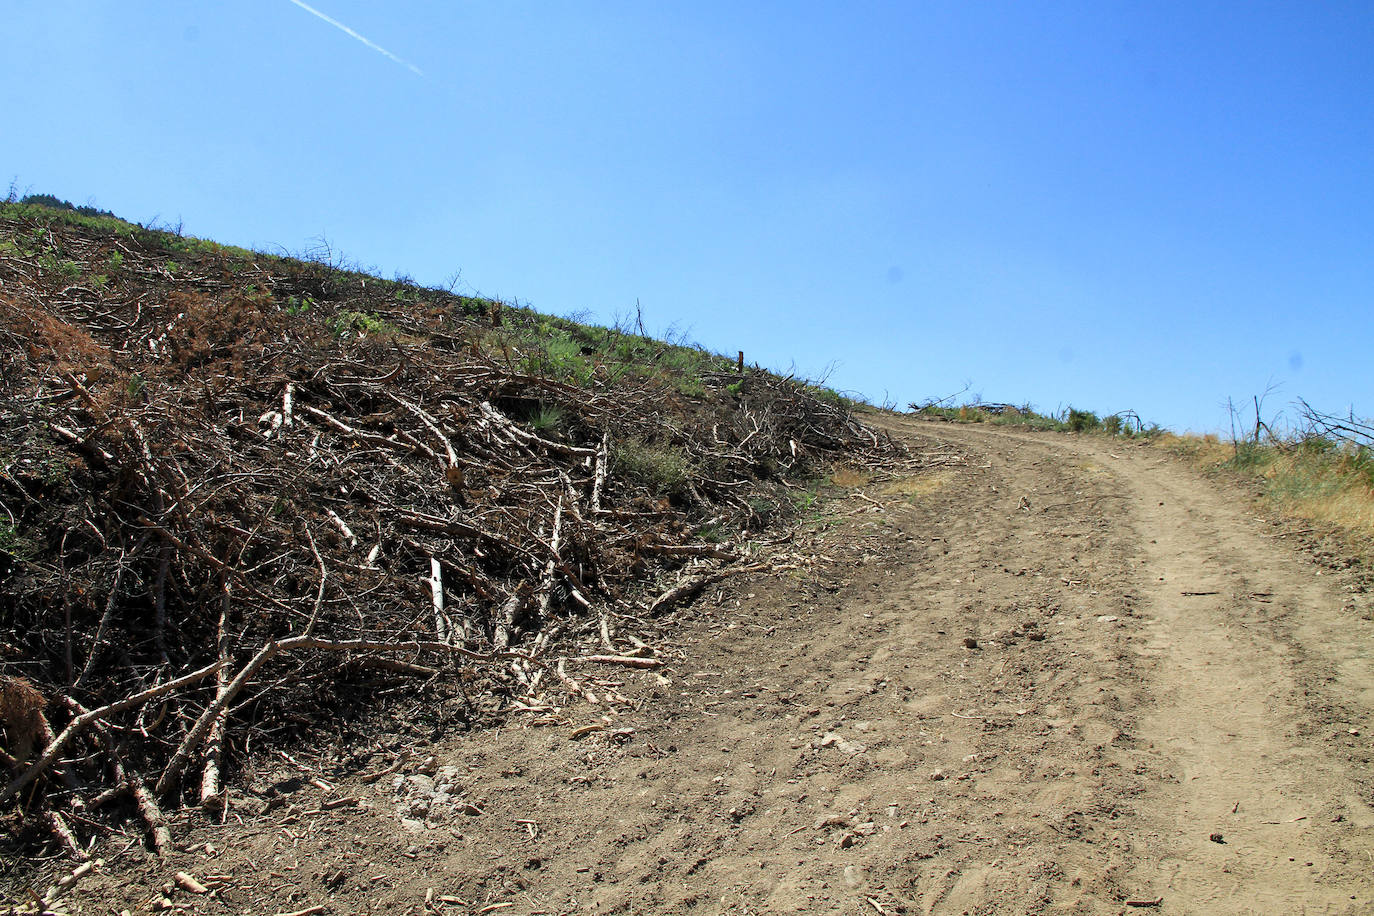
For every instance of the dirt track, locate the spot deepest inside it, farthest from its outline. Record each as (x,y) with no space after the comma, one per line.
(1153,666)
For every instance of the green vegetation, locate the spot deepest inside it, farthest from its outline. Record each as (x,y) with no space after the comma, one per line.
(1071,419)
(347,321)
(298,305)
(547,419)
(54,203)
(9,537)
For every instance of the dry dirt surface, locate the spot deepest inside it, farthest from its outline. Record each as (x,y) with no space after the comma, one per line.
(1049,675)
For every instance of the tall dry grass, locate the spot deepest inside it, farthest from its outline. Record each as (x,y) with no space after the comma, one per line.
(1322,481)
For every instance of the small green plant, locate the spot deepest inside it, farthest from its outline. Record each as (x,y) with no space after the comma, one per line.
(763,510)
(299,305)
(137,385)
(362,322)
(547,419)
(712,534)
(67,269)
(692,387)
(55,472)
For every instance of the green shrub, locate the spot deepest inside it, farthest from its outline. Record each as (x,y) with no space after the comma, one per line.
(361,322)
(692,387)
(1081,421)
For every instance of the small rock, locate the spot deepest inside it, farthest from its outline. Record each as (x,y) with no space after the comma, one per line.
(841,745)
(854,877)
(970,642)
(1217,838)
(937,775)
(421,784)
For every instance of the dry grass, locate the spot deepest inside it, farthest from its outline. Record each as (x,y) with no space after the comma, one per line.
(1321,490)
(850,478)
(914,488)
(1330,487)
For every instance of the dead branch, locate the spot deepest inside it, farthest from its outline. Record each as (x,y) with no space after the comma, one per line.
(629,661)
(95,715)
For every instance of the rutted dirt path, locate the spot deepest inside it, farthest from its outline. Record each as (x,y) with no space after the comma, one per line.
(1037,681)
(1256,679)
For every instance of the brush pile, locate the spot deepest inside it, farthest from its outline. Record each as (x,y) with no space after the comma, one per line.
(234,488)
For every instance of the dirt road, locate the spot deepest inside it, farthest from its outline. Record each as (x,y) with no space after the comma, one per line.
(1065,675)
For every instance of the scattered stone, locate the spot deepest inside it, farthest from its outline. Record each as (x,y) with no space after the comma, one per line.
(840,744)
(970,642)
(432,796)
(1217,838)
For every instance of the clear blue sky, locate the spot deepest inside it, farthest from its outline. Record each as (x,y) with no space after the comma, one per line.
(1150,205)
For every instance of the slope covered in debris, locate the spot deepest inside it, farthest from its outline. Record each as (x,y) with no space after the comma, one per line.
(239,491)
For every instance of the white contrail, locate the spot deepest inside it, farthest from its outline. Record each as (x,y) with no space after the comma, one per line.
(346,30)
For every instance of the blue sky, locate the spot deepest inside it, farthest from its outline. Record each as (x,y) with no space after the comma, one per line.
(1151,206)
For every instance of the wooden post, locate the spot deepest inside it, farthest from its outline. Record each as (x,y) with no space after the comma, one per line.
(741,362)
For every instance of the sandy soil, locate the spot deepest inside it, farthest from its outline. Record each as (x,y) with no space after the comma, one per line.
(1065,676)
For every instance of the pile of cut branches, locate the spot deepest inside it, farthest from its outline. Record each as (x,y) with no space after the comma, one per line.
(235,487)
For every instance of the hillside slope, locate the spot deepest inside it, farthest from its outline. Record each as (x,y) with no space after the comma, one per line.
(244,497)
(1046,674)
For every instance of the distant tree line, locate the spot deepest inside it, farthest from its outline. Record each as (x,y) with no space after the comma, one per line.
(56,203)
